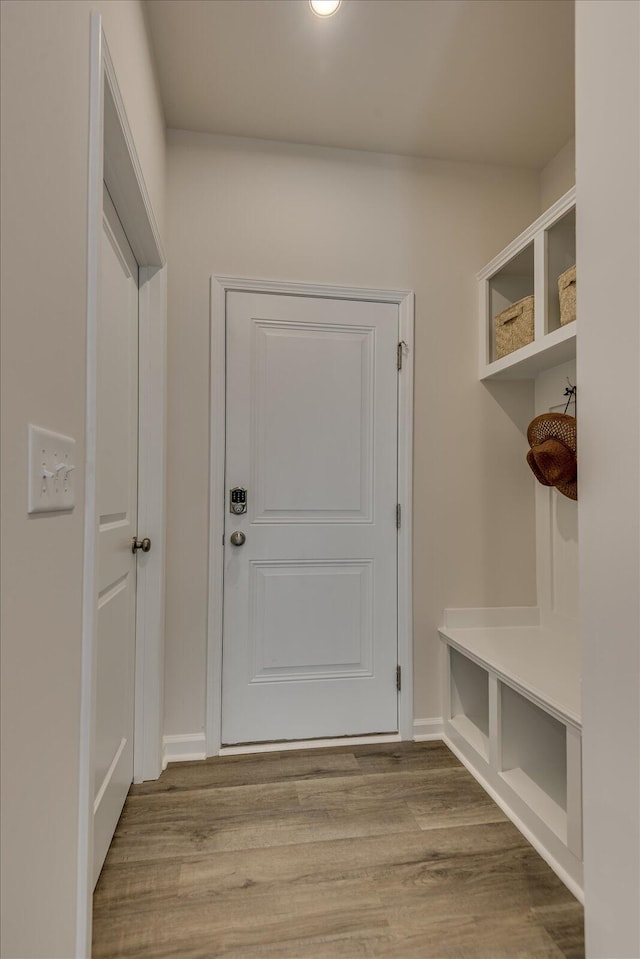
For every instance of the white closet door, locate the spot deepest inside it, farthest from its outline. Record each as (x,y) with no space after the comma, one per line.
(117,491)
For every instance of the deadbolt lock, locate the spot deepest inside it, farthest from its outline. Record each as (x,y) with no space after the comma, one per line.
(237,500)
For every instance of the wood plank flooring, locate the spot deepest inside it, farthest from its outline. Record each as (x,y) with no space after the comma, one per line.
(366,851)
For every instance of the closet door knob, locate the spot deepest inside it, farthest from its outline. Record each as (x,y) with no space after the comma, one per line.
(144,545)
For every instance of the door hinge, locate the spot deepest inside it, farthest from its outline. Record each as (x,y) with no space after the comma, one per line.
(403,349)
(398,678)
(398,515)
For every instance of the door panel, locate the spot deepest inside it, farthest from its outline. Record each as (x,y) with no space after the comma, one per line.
(310,599)
(307,466)
(329,604)
(111,680)
(117,458)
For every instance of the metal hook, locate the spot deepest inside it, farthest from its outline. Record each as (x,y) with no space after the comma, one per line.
(571,392)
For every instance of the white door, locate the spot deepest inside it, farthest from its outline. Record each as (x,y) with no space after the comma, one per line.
(117,481)
(310,597)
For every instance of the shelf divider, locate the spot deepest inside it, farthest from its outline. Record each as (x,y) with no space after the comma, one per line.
(540,282)
(495,726)
(574,791)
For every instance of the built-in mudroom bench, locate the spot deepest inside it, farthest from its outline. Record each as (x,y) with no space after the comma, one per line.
(512,678)
(512,714)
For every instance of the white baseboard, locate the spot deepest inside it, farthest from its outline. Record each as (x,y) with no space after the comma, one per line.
(183,748)
(426,729)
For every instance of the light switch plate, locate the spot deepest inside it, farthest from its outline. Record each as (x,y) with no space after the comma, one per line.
(52,453)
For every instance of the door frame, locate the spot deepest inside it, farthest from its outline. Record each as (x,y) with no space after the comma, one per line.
(113,159)
(404,299)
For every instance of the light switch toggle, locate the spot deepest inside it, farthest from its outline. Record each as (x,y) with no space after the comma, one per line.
(67,467)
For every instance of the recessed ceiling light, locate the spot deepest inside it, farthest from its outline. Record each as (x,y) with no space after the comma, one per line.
(324,8)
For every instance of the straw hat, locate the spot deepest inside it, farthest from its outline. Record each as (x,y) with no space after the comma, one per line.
(552,457)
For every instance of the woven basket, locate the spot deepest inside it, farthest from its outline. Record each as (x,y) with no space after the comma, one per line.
(514,327)
(567,293)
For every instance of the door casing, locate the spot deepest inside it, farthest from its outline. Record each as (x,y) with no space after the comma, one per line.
(113,159)
(220,286)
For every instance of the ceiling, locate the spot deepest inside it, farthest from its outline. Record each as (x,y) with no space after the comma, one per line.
(475,80)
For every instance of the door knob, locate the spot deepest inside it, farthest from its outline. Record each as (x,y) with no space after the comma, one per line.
(237,538)
(144,545)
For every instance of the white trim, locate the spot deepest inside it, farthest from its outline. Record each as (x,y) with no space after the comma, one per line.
(220,286)
(123,174)
(424,730)
(290,745)
(119,246)
(240,284)
(149,674)
(185,747)
(560,871)
(84,887)
(406,303)
(108,131)
(217,381)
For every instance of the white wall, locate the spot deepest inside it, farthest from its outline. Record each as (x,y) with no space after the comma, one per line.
(44,141)
(280,211)
(608,169)
(558,176)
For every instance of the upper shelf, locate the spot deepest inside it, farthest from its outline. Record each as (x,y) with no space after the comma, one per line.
(530,266)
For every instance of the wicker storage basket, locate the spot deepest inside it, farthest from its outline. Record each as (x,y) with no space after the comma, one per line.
(567,293)
(514,327)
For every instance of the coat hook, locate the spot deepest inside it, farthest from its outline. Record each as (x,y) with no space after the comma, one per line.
(571,392)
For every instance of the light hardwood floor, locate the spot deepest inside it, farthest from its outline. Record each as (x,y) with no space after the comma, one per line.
(366,851)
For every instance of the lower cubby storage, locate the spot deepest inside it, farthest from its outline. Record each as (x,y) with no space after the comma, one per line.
(470,701)
(512,715)
(534,758)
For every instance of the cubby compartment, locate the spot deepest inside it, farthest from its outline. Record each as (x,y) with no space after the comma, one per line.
(470,701)
(534,758)
(530,266)
(511,283)
(561,254)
